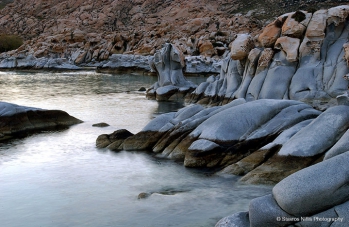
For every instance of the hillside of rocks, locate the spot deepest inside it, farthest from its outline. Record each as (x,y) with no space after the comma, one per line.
(91,31)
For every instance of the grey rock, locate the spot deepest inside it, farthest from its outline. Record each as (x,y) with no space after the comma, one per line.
(201,64)
(236,220)
(169,63)
(21,120)
(102,124)
(319,135)
(340,147)
(127,61)
(316,188)
(264,211)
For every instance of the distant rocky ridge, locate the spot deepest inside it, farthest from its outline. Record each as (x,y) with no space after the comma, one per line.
(88,32)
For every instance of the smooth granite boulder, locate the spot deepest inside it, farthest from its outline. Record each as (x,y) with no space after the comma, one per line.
(340,147)
(264,211)
(316,188)
(334,217)
(240,121)
(18,120)
(319,135)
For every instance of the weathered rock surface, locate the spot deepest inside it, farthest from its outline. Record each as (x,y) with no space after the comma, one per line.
(168,64)
(113,140)
(300,56)
(18,120)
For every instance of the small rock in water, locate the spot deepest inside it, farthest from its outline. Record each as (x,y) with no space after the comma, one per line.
(143,195)
(142,89)
(102,124)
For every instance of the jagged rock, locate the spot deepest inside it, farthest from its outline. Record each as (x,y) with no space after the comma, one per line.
(168,63)
(20,120)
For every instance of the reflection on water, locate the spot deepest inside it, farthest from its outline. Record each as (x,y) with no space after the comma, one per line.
(61,179)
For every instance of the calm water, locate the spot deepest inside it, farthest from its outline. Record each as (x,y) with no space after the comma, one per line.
(59,178)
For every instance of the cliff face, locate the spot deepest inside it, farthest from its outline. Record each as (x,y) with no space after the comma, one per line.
(100,28)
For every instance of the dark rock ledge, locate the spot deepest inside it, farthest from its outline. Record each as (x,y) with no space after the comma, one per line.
(18,121)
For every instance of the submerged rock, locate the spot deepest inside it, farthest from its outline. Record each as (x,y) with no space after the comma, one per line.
(102,124)
(18,120)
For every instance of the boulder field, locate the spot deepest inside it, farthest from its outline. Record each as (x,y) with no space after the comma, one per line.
(277,114)
(18,120)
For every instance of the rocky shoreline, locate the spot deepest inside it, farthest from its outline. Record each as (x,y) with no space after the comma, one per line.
(277,113)
(194,64)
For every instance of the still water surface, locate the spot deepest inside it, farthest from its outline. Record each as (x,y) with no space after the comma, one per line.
(59,178)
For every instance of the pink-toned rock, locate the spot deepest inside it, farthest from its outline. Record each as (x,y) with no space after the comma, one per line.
(241,46)
(317,25)
(206,48)
(294,28)
(270,34)
(338,14)
(290,46)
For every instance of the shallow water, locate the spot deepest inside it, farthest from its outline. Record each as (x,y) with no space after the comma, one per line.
(59,178)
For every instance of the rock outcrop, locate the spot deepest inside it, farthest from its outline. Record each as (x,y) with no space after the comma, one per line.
(314,196)
(300,56)
(20,120)
(168,63)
